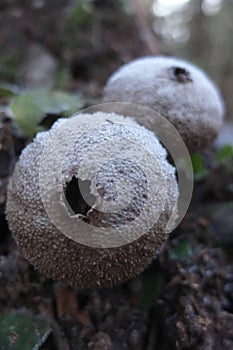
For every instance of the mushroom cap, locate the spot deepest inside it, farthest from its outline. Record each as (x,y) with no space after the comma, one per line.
(50,249)
(175,88)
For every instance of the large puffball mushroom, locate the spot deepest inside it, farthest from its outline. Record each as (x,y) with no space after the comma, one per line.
(175,88)
(59,232)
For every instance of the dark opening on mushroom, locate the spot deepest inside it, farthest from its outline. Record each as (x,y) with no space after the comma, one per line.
(181,75)
(75,198)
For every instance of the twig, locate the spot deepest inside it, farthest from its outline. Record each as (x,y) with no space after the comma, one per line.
(46,310)
(144,26)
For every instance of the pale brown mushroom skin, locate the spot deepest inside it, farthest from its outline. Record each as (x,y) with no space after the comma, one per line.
(175,88)
(61,258)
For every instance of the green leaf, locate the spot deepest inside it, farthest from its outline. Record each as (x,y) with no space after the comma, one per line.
(224,154)
(20,330)
(30,109)
(8,90)
(181,250)
(80,14)
(62,78)
(9,65)
(199,169)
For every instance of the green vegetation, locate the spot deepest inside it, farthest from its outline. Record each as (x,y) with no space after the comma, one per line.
(20,330)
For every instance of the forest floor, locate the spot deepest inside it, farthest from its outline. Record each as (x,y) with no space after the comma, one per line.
(184,300)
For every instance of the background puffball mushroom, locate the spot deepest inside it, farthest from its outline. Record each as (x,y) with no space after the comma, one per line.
(104,157)
(177,89)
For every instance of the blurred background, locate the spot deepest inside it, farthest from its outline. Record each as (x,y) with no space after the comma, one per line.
(76,44)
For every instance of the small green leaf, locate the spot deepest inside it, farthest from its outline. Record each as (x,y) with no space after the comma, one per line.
(62,78)
(199,169)
(20,330)
(181,250)
(8,90)
(80,14)
(30,109)
(224,154)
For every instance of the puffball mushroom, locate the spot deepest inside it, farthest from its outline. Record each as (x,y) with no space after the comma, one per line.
(175,88)
(58,254)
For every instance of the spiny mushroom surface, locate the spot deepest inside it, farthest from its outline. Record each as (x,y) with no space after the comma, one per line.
(42,241)
(177,89)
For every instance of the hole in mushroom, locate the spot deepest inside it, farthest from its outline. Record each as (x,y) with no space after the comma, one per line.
(181,75)
(74,196)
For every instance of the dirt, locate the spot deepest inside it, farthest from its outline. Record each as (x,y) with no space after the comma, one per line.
(184,300)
